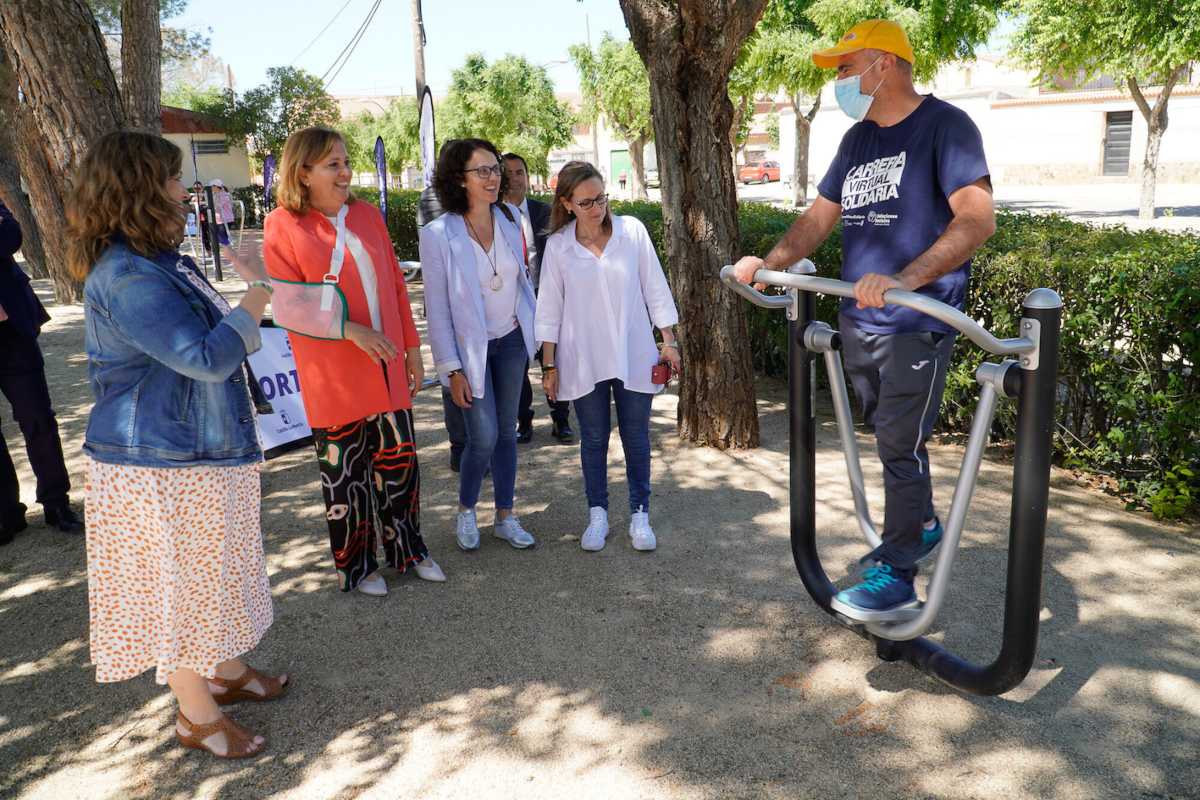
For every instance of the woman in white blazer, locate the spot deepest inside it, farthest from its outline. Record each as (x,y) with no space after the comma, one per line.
(480,304)
(602,294)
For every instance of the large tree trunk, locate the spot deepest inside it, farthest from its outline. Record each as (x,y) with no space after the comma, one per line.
(689,47)
(14,198)
(14,157)
(141,64)
(1156,126)
(70,95)
(803,137)
(637,155)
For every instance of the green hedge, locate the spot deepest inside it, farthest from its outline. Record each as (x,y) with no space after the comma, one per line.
(1129,390)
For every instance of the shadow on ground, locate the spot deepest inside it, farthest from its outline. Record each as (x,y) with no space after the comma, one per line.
(700,671)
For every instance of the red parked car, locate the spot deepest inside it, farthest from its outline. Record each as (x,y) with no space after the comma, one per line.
(759,172)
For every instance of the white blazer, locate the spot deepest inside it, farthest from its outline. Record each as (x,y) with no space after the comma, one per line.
(454,297)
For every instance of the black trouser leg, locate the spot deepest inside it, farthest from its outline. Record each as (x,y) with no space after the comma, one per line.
(23,382)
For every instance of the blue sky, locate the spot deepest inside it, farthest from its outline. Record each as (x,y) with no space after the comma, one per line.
(253,35)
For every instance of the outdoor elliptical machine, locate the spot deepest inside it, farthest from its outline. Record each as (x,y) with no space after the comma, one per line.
(1031,380)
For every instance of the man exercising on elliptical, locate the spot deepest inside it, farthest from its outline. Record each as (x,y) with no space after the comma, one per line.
(911,187)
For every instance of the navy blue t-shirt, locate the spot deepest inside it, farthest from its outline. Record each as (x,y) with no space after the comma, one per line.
(893,185)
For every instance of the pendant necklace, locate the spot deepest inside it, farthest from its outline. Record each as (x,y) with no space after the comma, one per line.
(496,283)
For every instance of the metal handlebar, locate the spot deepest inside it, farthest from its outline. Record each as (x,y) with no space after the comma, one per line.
(899,297)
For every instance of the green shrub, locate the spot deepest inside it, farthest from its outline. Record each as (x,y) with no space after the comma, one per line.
(1129,391)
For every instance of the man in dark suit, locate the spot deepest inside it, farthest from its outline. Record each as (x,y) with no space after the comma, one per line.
(23,382)
(535,222)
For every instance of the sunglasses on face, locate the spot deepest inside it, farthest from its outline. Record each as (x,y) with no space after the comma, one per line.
(487,172)
(599,200)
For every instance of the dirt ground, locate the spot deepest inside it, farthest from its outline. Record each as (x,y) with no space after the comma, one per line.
(698,671)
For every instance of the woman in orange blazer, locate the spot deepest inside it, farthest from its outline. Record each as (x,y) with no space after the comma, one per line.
(358,388)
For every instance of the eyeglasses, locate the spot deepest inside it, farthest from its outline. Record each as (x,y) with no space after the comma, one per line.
(487,172)
(599,200)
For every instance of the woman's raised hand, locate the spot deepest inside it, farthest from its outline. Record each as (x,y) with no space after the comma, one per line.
(247,261)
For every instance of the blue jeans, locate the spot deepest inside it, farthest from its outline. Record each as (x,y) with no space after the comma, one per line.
(492,424)
(595,425)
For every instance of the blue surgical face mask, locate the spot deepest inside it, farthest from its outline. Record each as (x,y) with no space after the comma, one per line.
(849,95)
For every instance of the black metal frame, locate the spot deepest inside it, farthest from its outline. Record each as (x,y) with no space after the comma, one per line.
(1035,392)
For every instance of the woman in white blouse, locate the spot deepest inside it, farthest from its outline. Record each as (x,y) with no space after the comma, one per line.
(602,289)
(479,302)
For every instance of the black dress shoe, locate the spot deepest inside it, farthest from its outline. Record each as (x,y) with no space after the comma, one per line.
(63,518)
(12,526)
(564,433)
(525,433)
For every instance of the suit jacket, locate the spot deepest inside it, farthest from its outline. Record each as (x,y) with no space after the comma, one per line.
(25,311)
(454,299)
(539,218)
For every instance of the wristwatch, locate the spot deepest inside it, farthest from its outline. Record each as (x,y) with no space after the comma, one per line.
(261,285)
(453,372)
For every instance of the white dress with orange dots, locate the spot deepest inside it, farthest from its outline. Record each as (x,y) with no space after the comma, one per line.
(176,574)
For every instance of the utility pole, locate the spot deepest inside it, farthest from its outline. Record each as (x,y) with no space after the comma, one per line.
(596,124)
(418,26)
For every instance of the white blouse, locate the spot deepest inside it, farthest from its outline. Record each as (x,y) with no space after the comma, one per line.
(499,307)
(366,272)
(601,312)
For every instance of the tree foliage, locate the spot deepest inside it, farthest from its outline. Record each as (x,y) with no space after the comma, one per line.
(401,131)
(613,80)
(1142,39)
(510,103)
(267,115)
(178,44)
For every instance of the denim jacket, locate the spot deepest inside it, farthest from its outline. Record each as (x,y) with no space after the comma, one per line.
(165,366)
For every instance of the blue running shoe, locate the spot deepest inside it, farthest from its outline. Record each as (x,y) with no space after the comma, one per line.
(930,539)
(878,597)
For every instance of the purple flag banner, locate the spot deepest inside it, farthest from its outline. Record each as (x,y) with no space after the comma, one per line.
(268,177)
(381,175)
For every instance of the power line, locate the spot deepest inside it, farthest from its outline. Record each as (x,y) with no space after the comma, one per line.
(348,50)
(322,31)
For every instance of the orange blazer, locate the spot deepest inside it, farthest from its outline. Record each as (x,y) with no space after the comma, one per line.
(340,383)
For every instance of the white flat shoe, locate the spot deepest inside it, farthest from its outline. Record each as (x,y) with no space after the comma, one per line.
(428,570)
(374,585)
(640,533)
(597,530)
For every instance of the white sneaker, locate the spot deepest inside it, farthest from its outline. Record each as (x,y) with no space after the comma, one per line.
(597,530)
(466,531)
(509,529)
(374,585)
(640,532)
(428,570)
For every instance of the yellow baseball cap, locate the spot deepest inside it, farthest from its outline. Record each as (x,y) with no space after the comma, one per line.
(876,34)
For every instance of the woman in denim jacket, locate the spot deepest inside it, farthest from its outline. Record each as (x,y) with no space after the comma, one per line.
(176,576)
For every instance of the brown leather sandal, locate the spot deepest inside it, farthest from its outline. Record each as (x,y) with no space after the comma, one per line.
(234,690)
(239,743)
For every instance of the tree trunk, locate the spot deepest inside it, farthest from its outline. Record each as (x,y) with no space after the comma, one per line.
(1156,126)
(803,137)
(735,127)
(141,64)
(637,155)
(689,48)
(71,99)
(14,198)
(13,159)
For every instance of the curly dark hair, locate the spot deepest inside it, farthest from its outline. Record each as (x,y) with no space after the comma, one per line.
(448,177)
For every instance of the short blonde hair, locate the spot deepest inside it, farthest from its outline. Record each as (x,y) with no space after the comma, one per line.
(303,149)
